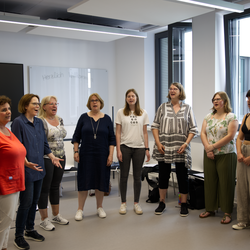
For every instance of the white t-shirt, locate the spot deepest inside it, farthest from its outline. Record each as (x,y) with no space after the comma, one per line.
(132,128)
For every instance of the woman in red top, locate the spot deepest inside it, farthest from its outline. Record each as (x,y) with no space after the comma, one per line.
(12,155)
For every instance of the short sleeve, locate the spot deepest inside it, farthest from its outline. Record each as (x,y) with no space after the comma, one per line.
(118,118)
(232,117)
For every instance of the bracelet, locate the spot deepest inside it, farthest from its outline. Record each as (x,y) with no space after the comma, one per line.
(75,152)
(185,143)
(147,149)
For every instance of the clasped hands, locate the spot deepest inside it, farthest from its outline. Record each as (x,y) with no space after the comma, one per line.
(209,150)
(241,158)
(161,148)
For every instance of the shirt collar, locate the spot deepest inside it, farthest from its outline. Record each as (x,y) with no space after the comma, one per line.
(25,120)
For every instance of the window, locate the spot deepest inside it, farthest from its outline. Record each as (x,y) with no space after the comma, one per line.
(237,40)
(173,61)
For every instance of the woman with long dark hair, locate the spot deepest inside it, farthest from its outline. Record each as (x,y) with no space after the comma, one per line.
(131,144)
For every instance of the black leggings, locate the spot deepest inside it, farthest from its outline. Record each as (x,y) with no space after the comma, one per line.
(51,183)
(181,172)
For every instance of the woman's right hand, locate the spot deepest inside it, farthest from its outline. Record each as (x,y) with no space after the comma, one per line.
(210,155)
(76,157)
(161,148)
(240,157)
(119,156)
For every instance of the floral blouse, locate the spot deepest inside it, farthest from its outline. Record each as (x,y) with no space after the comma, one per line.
(217,129)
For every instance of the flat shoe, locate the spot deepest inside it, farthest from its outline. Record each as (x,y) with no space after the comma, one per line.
(206,214)
(223,221)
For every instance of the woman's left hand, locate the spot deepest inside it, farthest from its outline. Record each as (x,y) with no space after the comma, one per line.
(209,148)
(148,155)
(56,162)
(182,149)
(109,160)
(247,160)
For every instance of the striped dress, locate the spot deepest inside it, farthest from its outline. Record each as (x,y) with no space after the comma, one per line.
(173,132)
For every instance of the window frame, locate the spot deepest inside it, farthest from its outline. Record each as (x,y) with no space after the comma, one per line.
(158,70)
(230,85)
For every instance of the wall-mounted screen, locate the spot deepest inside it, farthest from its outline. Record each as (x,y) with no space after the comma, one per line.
(12,84)
(71,86)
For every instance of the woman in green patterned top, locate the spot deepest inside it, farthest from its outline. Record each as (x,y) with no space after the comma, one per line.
(217,135)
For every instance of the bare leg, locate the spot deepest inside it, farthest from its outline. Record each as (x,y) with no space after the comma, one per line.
(99,197)
(43,213)
(163,193)
(82,196)
(55,209)
(184,198)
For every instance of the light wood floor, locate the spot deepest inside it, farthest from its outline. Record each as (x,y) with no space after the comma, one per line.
(135,232)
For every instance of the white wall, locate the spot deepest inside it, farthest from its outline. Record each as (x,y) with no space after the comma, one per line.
(129,60)
(49,51)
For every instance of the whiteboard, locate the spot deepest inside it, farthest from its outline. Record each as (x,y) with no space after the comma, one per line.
(71,86)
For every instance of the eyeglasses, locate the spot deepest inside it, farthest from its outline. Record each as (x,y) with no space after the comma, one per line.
(216,100)
(173,89)
(52,103)
(36,104)
(95,100)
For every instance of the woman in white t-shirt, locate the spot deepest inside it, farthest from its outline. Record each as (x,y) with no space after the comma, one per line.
(131,143)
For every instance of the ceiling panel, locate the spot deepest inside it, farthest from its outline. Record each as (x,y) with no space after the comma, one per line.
(70,34)
(155,12)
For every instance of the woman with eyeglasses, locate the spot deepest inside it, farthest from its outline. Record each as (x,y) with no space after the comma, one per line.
(55,133)
(173,129)
(94,134)
(243,172)
(30,132)
(217,135)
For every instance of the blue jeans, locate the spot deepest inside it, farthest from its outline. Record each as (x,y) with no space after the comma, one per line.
(26,212)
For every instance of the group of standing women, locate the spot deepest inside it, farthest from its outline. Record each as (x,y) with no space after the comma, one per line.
(35,147)
(30,173)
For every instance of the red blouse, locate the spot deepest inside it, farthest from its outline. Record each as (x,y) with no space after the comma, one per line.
(12,156)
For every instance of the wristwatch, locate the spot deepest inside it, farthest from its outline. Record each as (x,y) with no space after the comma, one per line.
(75,152)
(147,149)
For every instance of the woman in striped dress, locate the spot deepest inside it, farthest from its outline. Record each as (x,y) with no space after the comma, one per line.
(173,129)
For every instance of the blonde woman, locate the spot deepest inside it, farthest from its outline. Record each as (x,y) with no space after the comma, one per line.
(55,133)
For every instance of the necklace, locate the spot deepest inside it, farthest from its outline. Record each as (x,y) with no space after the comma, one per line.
(95,132)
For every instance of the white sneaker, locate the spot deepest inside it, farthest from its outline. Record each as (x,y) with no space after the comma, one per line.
(47,225)
(240,226)
(60,220)
(123,208)
(101,213)
(79,214)
(137,209)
